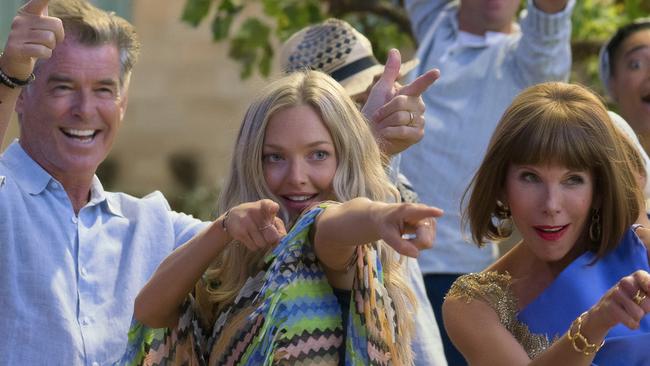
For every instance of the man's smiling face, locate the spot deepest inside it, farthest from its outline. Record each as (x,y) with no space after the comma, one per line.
(70,115)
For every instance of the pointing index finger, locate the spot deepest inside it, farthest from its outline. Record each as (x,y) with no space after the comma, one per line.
(415,214)
(36,7)
(421,84)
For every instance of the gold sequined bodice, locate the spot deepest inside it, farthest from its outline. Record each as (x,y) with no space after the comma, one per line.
(493,288)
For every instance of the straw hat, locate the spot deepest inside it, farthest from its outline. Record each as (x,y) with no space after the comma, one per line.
(337,49)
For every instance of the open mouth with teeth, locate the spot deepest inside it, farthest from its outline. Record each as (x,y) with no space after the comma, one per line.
(298,203)
(551,233)
(303,198)
(81,135)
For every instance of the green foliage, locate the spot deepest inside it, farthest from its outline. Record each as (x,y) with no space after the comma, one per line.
(636,9)
(252,42)
(596,19)
(251,47)
(195,11)
(382,33)
(292,15)
(222,21)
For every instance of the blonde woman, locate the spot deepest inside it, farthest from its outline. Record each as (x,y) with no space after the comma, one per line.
(574,290)
(332,291)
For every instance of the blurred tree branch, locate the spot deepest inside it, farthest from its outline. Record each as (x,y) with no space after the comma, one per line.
(384,22)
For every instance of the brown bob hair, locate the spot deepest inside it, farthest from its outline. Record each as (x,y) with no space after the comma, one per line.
(565,124)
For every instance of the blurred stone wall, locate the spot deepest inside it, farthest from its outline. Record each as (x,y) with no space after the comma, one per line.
(186,98)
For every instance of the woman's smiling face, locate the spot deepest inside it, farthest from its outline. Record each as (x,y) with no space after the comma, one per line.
(299,158)
(550,205)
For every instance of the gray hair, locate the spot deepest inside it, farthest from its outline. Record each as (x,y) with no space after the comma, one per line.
(93,27)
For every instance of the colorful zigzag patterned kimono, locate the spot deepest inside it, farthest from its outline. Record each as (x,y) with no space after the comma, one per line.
(285,315)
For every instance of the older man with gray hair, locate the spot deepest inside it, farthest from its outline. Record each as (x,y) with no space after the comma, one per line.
(74,256)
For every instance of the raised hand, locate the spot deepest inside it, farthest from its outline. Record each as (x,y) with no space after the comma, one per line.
(395,223)
(34,35)
(255,224)
(626,303)
(397,111)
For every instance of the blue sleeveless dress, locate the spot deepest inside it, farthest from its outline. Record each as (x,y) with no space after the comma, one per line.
(579,287)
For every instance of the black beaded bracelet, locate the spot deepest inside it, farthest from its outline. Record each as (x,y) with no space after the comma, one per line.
(13,82)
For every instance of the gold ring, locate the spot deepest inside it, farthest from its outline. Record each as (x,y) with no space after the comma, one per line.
(411,119)
(639,296)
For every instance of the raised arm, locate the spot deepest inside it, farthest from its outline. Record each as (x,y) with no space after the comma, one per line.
(544,51)
(479,335)
(423,14)
(33,36)
(340,228)
(253,224)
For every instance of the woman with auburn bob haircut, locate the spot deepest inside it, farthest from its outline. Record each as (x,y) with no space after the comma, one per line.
(332,290)
(573,290)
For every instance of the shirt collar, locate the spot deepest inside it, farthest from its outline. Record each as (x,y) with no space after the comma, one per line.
(34,179)
(466,39)
(31,176)
(98,196)
(469,40)
(463,40)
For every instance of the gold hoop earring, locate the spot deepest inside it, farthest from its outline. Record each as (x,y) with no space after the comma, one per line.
(594,226)
(502,220)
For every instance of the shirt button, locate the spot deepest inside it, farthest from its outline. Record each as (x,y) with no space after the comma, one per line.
(75,219)
(83,271)
(95,363)
(85,320)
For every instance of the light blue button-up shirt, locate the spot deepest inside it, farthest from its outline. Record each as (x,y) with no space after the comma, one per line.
(68,282)
(478,79)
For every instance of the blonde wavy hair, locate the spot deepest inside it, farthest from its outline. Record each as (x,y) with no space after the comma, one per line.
(359,173)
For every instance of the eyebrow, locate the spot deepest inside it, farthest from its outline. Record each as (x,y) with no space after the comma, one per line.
(58,78)
(636,49)
(533,167)
(313,144)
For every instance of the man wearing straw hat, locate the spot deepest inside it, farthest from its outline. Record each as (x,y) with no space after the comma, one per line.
(339,50)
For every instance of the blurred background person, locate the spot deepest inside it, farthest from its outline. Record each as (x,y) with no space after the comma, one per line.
(625,73)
